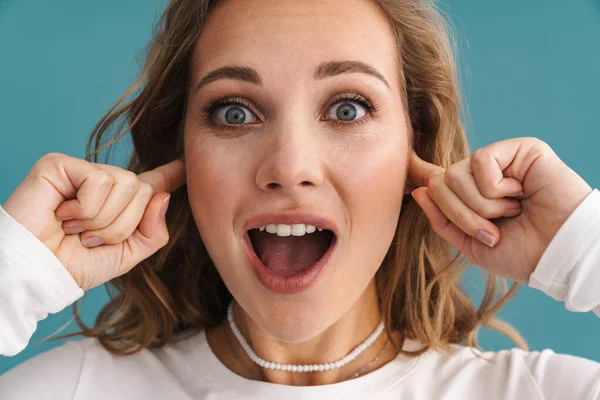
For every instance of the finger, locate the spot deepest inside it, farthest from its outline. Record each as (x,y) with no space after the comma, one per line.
(86,182)
(488,165)
(460,214)
(420,171)
(151,234)
(125,223)
(167,177)
(123,191)
(440,223)
(460,180)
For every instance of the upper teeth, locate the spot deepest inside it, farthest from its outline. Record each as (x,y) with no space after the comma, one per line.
(287,230)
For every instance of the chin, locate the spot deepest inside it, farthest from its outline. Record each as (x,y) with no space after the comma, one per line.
(292,320)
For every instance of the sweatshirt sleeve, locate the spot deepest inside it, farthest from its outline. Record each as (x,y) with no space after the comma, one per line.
(33,284)
(562,376)
(569,269)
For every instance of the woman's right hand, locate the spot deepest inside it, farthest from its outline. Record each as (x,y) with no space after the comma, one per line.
(99,220)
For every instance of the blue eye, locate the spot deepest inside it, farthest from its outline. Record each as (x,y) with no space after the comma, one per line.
(234,114)
(346,111)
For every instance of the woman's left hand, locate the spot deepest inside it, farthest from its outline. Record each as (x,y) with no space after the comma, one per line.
(512,195)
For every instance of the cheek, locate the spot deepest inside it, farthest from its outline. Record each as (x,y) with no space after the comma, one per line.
(375,179)
(214,176)
(373,193)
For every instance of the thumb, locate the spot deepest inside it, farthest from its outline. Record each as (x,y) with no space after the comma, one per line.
(151,234)
(421,171)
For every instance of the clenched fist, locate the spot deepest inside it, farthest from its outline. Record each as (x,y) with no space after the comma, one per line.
(502,206)
(99,220)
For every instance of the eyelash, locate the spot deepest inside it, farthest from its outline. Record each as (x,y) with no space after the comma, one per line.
(210,108)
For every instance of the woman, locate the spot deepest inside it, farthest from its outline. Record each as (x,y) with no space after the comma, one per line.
(280,136)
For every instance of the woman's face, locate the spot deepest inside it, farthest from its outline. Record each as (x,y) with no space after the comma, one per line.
(306,116)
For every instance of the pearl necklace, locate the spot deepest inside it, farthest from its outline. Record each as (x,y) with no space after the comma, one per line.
(300,368)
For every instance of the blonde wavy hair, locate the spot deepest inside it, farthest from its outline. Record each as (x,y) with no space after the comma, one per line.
(179,288)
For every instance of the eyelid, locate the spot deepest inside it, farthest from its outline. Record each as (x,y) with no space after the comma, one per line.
(370,107)
(209,110)
(220,114)
(346,96)
(224,101)
(228,101)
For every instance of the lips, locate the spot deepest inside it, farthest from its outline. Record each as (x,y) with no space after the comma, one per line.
(307,268)
(289,255)
(290,284)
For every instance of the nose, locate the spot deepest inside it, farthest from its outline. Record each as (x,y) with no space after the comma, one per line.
(291,160)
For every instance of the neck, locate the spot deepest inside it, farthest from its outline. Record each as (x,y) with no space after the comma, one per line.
(332,344)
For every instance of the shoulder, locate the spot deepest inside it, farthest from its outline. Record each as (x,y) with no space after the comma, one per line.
(539,374)
(539,364)
(81,368)
(50,375)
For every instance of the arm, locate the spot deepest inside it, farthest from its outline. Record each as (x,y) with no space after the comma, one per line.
(562,376)
(569,269)
(42,268)
(33,284)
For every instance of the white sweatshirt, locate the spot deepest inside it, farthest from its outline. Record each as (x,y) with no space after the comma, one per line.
(34,283)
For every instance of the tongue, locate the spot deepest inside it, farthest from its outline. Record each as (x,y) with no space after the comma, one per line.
(289,255)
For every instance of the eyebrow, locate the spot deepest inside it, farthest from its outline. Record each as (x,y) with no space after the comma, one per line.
(324,70)
(333,68)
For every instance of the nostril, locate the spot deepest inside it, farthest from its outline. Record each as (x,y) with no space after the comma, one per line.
(275,185)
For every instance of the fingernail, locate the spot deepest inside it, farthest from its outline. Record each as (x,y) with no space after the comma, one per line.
(64,218)
(165,207)
(72,230)
(92,241)
(512,213)
(485,238)
(515,194)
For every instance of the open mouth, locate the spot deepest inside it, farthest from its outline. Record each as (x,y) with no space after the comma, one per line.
(287,253)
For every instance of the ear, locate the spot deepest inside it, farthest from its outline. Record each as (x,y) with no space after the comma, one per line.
(415,137)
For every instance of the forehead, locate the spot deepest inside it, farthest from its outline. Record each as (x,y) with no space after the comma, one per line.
(286,37)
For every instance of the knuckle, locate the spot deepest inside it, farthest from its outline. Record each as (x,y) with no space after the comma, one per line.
(98,222)
(46,161)
(130,178)
(479,156)
(102,178)
(452,177)
(118,235)
(87,213)
(540,146)
(146,189)
(51,157)
(486,211)
(130,183)
(460,220)
(534,140)
(436,179)
(489,191)
(433,189)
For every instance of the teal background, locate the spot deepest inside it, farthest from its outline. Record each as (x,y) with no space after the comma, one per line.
(529,68)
